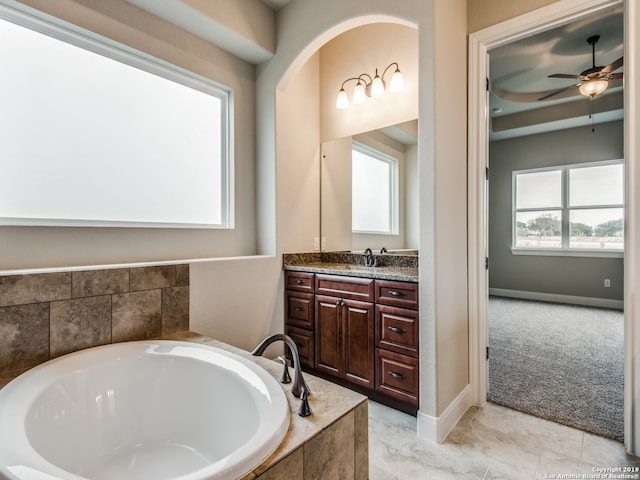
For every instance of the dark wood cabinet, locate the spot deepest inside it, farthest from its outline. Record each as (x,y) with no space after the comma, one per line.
(359,331)
(345,339)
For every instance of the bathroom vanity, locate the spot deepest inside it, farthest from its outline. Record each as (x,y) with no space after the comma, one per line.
(356,325)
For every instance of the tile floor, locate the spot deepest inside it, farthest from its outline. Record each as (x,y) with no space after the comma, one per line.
(493,442)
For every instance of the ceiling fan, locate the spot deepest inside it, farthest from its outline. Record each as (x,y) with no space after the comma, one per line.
(593,81)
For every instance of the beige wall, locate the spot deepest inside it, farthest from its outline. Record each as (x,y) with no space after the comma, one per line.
(484,13)
(41,247)
(362,50)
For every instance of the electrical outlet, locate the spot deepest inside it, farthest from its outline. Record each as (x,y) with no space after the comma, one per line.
(607,283)
(316,243)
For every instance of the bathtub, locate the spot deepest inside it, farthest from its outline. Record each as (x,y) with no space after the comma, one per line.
(141,410)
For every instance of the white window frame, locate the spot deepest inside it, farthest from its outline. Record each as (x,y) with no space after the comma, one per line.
(393,200)
(565,210)
(103,46)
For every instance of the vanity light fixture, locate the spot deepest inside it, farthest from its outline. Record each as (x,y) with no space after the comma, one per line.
(366,86)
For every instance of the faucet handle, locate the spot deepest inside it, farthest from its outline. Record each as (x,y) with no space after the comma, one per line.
(305,408)
(285,378)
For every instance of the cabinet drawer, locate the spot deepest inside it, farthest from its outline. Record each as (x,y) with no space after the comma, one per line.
(397,376)
(345,287)
(397,294)
(397,329)
(304,340)
(299,281)
(299,309)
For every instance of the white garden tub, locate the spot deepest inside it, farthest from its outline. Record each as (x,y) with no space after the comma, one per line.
(141,410)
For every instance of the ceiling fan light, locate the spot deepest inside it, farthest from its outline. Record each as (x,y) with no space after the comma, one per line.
(592,88)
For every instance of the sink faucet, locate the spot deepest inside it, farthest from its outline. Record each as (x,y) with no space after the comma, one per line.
(369,259)
(299,388)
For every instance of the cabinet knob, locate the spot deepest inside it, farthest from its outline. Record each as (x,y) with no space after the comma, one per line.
(397,329)
(397,375)
(396,293)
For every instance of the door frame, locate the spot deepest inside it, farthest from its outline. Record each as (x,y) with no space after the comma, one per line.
(555,14)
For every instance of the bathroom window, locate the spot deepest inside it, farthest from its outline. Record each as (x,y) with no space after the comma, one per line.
(569,209)
(93,133)
(374,191)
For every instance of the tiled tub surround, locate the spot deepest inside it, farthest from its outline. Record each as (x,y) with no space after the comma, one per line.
(45,315)
(331,443)
(390,267)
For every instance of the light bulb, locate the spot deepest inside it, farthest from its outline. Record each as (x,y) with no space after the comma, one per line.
(343,101)
(591,88)
(359,95)
(377,86)
(397,82)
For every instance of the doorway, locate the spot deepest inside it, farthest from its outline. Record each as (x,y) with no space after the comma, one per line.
(480,43)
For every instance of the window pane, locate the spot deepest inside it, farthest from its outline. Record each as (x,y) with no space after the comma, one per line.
(541,229)
(371,194)
(123,144)
(539,189)
(602,185)
(601,228)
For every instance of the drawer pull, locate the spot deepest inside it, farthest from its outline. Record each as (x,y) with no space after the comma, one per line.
(299,309)
(299,282)
(396,293)
(397,375)
(299,345)
(396,329)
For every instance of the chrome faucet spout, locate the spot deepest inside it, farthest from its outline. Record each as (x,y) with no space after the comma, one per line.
(299,388)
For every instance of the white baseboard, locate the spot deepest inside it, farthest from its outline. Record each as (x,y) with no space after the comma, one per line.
(436,429)
(556,298)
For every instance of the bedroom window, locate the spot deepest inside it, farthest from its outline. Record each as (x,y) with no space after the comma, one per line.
(569,209)
(374,201)
(94,133)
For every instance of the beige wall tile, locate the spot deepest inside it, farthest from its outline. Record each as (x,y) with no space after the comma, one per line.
(290,467)
(146,278)
(36,288)
(137,315)
(175,309)
(182,275)
(361,427)
(331,453)
(100,282)
(24,336)
(80,323)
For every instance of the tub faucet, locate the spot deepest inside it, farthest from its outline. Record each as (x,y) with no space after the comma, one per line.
(299,388)
(369,259)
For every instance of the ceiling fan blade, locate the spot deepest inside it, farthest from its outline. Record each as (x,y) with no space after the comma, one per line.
(549,95)
(615,76)
(613,66)
(565,75)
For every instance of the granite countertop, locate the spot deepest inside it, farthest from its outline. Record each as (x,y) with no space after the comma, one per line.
(391,267)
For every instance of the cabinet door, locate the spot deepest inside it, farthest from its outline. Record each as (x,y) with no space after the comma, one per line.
(358,321)
(329,335)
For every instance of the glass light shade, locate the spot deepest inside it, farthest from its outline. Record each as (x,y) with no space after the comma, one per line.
(359,95)
(342,101)
(591,88)
(377,86)
(397,82)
